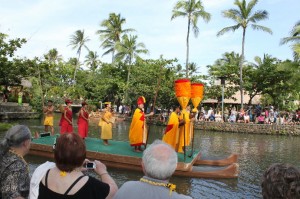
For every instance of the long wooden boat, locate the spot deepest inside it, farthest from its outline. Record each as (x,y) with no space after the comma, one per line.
(218,162)
(119,154)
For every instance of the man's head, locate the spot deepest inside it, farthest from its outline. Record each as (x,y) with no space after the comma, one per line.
(50,102)
(281,181)
(159,160)
(141,102)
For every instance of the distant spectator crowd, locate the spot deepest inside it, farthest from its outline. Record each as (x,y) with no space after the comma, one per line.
(251,114)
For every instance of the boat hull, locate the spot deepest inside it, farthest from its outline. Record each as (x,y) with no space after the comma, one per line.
(132,161)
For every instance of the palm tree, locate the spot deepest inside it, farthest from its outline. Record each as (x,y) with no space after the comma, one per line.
(129,49)
(295,39)
(78,40)
(91,59)
(53,58)
(191,9)
(244,16)
(112,33)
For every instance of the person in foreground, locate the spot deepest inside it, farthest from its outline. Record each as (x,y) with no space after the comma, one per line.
(66,179)
(14,171)
(281,181)
(159,163)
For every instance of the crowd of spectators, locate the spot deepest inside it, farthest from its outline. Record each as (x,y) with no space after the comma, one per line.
(252,114)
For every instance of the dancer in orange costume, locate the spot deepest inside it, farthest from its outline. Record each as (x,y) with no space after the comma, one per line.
(138,130)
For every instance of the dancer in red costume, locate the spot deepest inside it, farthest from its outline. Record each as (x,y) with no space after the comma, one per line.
(66,124)
(83,121)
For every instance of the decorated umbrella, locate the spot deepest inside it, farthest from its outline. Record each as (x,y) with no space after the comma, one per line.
(196,94)
(196,97)
(183,95)
(183,92)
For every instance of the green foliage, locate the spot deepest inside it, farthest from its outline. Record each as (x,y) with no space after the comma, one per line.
(5,126)
(12,70)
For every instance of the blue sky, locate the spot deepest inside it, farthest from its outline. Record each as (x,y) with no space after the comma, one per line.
(49,24)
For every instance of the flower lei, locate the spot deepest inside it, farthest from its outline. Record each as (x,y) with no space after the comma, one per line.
(170,186)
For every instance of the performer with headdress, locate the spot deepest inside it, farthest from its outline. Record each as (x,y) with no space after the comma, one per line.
(171,135)
(138,130)
(83,121)
(106,123)
(66,124)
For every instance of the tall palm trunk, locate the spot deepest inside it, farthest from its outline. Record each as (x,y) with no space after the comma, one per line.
(76,66)
(241,68)
(113,56)
(187,49)
(127,83)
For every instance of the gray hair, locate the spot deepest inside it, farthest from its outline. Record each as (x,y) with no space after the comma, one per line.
(160,160)
(14,137)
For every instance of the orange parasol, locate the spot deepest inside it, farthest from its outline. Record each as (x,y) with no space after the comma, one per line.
(183,92)
(197,90)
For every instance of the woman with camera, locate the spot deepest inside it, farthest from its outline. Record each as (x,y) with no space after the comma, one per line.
(66,179)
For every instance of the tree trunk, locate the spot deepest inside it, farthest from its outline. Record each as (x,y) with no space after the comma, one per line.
(241,69)
(77,64)
(127,83)
(187,48)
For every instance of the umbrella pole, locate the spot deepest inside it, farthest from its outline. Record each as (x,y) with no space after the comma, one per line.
(184,148)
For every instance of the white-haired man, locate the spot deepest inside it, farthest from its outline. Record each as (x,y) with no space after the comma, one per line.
(159,163)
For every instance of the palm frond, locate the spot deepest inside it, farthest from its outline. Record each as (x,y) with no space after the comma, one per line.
(259,16)
(233,14)
(227,29)
(263,28)
(177,13)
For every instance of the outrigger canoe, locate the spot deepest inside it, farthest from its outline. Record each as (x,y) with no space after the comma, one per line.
(119,154)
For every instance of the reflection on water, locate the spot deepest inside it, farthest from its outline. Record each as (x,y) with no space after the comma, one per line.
(256,153)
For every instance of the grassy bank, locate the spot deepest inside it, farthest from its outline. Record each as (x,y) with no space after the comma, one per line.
(5,126)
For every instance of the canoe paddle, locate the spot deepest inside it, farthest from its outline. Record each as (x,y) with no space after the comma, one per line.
(192,151)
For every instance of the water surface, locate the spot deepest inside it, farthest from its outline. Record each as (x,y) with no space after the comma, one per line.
(256,153)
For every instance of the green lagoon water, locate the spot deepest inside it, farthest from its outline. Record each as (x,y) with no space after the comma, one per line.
(256,153)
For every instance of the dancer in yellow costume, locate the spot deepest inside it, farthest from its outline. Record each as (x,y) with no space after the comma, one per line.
(106,124)
(138,130)
(171,135)
(48,121)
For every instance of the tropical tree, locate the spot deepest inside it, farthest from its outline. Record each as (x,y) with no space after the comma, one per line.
(227,67)
(244,16)
(53,58)
(192,9)
(294,38)
(12,70)
(91,59)
(112,33)
(78,40)
(128,50)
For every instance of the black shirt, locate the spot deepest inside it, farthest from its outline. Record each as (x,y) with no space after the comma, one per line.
(93,188)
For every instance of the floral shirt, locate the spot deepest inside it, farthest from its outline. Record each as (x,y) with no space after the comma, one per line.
(14,177)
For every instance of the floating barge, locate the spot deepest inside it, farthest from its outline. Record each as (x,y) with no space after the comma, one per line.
(119,154)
